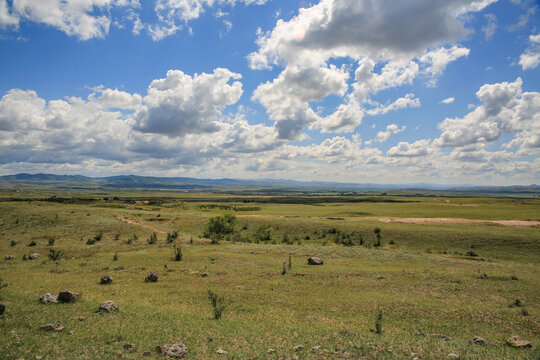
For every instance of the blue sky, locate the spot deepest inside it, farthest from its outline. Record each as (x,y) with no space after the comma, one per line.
(437,91)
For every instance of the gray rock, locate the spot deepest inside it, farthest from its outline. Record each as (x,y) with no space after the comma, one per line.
(479,340)
(440,336)
(33,256)
(453,356)
(221,352)
(152,277)
(67,296)
(9,257)
(48,298)
(176,351)
(107,306)
(314,260)
(52,327)
(39,358)
(106,280)
(129,345)
(298,347)
(518,342)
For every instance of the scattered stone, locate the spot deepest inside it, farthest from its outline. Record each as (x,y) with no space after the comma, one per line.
(313,260)
(221,352)
(129,346)
(67,296)
(204,274)
(2,308)
(351,333)
(33,256)
(518,342)
(440,336)
(52,327)
(453,356)
(173,350)
(315,348)
(479,340)
(271,351)
(39,358)
(71,332)
(81,318)
(106,280)
(9,257)
(48,298)
(152,277)
(147,353)
(298,347)
(107,306)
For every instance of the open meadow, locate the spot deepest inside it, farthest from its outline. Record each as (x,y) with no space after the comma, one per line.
(437,272)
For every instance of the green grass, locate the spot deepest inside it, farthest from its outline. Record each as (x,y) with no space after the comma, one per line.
(333,306)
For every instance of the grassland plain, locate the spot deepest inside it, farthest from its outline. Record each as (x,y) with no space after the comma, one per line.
(420,278)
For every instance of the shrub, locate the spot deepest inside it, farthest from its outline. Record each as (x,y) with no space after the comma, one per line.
(132,239)
(55,255)
(32,243)
(524,312)
(152,239)
(471,253)
(378,323)
(219,226)
(98,236)
(286,239)
(115,257)
(218,304)
(177,253)
(51,241)
(171,237)
(12,243)
(377,232)
(116,236)
(90,241)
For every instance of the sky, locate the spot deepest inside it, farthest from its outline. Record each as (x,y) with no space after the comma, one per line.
(384,91)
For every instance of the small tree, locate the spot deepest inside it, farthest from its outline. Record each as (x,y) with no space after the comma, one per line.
(152,239)
(115,257)
(377,232)
(219,226)
(218,304)
(177,253)
(171,237)
(55,255)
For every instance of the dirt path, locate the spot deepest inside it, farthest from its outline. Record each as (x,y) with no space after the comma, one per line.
(520,223)
(139,223)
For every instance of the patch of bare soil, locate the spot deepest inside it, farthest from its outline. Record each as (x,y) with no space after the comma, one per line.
(139,223)
(519,223)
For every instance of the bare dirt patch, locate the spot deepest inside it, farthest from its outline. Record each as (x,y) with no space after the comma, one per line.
(519,223)
(139,223)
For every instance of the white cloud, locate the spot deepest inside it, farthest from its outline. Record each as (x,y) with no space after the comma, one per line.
(530,59)
(181,104)
(449,100)
(6,18)
(417,149)
(491,26)
(391,129)
(404,102)
(437,60)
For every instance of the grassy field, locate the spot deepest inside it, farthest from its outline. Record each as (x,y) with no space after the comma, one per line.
(453,279)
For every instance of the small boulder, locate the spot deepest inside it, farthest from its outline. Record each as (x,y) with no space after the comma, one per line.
(152,277)
(518,342)
(106,280)
(67,296)
(9,257)
(221,352)
(48,298)
(176,351)
(129,346)
(298,347)
(453,356)
(33,256)
(314,260)
(479,340)
(107,306)
(440,336)
(52,327)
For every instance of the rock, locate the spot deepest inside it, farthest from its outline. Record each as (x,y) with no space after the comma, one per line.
(221,352)
(146,353)
(518,342)
(271,351)
(152,277)
(173,350)
(453,356)
(351,333)
(33,256)
(71,332)
(2,308)
(106,280)
(204,274)
(81,318)
(39,358)
(298,347)
(315,348)
(440,336)
(48,298)
(479,340)
(107,306)
(52,327)
(313,260)
(67,296)
(129,345)
(9,257)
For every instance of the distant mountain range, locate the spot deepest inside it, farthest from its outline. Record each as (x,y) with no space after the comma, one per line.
(185,183)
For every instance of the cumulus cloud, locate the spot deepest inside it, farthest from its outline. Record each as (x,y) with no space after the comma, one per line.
(490,27)
(181,104)
(437,60)
(417,149)
(391,129)
(530,59)
(449,100)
